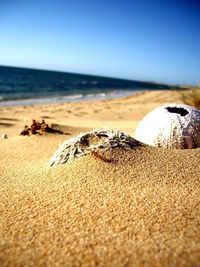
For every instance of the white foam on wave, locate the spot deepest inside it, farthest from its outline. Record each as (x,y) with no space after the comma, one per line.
(37,101)
(67,98)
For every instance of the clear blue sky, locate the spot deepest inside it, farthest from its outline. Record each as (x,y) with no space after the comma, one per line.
(139,40)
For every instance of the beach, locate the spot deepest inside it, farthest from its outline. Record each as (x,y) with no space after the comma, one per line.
(141,209)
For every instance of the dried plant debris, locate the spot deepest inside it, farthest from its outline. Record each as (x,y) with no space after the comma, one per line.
(91,143)
(38,128)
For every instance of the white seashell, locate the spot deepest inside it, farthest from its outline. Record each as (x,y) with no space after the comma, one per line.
(4,136)
(171,126)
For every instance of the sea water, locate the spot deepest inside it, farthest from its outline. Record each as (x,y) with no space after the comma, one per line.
(21,86)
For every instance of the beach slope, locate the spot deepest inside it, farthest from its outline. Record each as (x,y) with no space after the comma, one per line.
(142,208)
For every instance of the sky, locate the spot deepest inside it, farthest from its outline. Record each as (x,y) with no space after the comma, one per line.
(144,40)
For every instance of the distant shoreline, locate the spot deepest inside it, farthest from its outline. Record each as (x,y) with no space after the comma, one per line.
(67,98)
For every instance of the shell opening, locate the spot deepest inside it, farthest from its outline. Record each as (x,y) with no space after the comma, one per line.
(180,111)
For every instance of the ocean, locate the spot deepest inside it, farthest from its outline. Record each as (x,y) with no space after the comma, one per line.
(21,86)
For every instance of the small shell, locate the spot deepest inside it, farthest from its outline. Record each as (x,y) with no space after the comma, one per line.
(171,126)
(4,136)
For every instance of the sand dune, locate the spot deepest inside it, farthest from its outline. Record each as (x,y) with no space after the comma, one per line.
(140,209)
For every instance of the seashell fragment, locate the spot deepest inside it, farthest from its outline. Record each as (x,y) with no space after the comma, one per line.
(171,126)
(90,143)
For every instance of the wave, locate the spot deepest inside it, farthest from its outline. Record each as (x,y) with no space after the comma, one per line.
(67,98)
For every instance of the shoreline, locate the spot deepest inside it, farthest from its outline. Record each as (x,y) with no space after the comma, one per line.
(78,97)
(68,98)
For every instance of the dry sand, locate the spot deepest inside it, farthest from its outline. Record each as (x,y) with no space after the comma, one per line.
(141,209)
